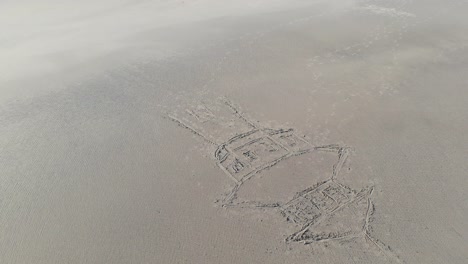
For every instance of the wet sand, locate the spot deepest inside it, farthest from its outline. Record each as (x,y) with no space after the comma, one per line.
(241,132)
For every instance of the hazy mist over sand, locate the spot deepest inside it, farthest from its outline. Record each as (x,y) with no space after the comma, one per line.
(203,131)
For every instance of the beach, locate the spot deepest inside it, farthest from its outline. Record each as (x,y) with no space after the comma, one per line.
(233,131)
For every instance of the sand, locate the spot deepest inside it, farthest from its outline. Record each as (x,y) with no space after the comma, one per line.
(233,131)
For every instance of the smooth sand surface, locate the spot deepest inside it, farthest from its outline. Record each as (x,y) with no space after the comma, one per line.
(234,131)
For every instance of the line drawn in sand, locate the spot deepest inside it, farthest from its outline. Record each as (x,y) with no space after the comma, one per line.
(326,211)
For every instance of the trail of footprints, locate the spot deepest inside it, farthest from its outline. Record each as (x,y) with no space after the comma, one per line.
(325,211)
(391,33)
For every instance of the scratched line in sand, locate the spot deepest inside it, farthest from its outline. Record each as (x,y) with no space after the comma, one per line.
(244,150)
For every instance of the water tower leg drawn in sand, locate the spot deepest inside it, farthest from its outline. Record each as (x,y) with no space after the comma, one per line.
(326,211)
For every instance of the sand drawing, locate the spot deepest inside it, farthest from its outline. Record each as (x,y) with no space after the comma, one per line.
(325,211)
